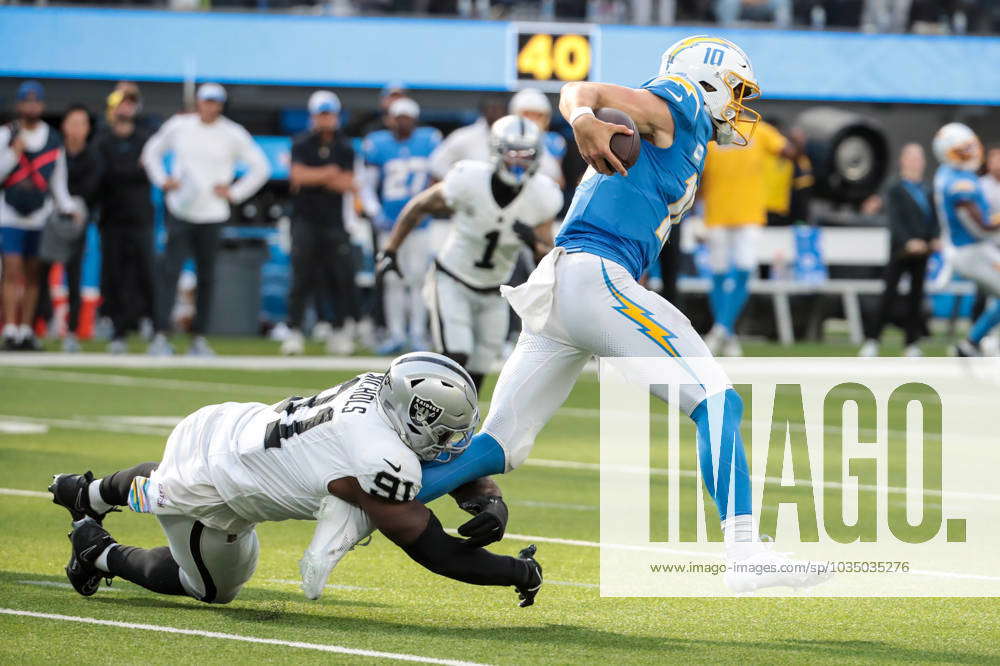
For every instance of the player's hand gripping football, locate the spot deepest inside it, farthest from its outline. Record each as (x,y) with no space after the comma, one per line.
(489,523)
(385,261)
(527,592)
(593,138)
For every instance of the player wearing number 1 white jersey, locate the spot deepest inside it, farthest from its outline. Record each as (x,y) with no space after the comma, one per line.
(495,207)
(349,457)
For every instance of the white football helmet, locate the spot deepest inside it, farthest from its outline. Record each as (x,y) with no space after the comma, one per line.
(956,144)
(432,404)
(516,145)
(530,99)
(726,78)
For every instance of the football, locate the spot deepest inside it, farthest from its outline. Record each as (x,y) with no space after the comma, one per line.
(625,147)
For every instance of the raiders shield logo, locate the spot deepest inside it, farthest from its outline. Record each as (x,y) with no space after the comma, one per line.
(424,412)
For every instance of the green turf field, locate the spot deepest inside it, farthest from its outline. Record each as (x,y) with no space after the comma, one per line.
(104,419)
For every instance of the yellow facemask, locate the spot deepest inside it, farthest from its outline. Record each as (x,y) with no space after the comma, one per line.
(741,118)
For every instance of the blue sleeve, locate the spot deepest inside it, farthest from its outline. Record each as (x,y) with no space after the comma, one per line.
(370,151)
(556,144)
(681,95)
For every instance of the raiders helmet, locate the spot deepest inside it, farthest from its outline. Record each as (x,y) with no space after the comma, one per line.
(516,146)
(432,404)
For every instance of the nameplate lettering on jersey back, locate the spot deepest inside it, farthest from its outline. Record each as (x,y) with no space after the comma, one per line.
(363,395)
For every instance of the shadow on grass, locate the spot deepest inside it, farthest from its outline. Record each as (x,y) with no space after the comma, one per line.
(272,600)
(280,609)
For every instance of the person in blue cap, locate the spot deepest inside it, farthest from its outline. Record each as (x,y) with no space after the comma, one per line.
(32,186)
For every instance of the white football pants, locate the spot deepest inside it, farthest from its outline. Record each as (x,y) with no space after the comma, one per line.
(596,308)
(402,299)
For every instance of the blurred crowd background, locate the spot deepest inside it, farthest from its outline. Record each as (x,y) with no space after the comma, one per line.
(923,16)
(297,185)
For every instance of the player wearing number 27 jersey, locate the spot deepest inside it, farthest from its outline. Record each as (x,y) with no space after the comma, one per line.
(584,300)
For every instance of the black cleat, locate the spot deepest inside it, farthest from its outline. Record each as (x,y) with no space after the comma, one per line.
(526,593)
(72,491)
(89,540)
(968,349)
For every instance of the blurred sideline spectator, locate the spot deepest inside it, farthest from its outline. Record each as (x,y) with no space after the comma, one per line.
(84,169)
(914,232)
(735,196)
(371,121)
(322,258)
(728,12)
(126,219)
(991,179)
(33,166)
(398,168)
(206,148)
(532,104)
(471,142)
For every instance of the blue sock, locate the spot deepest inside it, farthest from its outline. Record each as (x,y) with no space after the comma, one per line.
(986,322)
(482,457)
(737,299)
(717,297)
(731,460)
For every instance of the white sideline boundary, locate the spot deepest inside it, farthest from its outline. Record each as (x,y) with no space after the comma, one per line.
(319,647)
(594,544)
(275,362)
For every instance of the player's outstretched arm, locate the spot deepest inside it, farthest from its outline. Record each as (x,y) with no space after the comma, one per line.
(483,499)
(415,529)
(578,101)
(429,202)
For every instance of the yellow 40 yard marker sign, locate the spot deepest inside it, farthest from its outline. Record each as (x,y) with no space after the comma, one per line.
(548,55)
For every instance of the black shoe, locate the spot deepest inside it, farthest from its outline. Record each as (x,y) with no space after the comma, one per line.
(10,344)
(73,492)
(968,349)
(89,540)
(527,592)
(30,343)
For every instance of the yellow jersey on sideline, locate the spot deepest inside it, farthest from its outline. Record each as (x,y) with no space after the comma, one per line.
(734,186)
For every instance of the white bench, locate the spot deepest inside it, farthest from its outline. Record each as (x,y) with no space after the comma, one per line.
(849,291)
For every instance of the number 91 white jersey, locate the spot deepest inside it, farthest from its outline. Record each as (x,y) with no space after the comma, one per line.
(481,248)
(273,462)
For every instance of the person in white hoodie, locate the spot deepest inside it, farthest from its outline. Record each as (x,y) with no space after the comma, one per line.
(206,148)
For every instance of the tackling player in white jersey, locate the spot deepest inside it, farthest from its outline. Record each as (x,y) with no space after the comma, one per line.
(494,207)
(349,456)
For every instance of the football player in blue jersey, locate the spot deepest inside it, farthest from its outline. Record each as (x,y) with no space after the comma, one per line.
(398,169)
(584,299)
(971,230)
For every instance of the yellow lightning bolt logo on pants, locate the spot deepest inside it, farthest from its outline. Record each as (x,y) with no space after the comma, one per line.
(641,316)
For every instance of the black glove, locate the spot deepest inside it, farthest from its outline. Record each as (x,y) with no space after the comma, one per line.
(525,233)
(385,261)
(490,520)
(526,593)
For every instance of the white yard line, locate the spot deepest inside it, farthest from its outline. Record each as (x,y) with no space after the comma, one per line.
(338,649)
(69,376)
(587,544)
(52,583)
(329,586)
(25,493)
(126,425)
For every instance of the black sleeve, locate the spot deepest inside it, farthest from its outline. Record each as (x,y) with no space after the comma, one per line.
(345,155)
(90,182)
(447,556)
(900,224)
(300,150)
(935,223)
